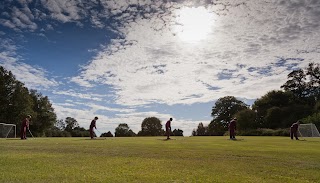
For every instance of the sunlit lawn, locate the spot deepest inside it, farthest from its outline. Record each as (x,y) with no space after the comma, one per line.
(151,159)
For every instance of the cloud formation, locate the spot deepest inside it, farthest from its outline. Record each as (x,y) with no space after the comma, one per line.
(158,54)
(240,57)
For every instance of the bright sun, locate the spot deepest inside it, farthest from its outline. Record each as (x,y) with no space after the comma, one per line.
(194,24)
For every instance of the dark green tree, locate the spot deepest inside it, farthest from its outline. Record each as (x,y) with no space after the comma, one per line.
(123,130)
(194,132)
(151,126)
(71,123)
(278,109)
(45,117)
(15,101)
(177,132)
(313,74)
(296,83)
(224,110)
(108,134)
(60,124)
(201,130)
(247,119)
(80,132)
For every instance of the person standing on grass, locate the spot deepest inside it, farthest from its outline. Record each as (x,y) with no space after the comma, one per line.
(294,129)
(93,125)
(168,128)
(24,127)
(232,128)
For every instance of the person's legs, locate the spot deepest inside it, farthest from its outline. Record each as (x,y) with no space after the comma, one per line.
(21,133)
(291,134)
(168,133)
(25,133)
(91,133)
(296,135)
(232,135)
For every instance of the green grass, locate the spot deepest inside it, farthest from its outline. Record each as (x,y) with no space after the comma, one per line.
(149,159)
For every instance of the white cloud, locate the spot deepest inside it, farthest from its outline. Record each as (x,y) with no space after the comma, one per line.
(63,10)
(34,77)
(240,56)
(71,93)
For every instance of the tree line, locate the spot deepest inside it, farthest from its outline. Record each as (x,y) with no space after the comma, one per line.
(17,101)
(274,112)
(270,114)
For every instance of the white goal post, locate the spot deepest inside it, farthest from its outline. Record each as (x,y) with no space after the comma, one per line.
(8,130)
(308,130)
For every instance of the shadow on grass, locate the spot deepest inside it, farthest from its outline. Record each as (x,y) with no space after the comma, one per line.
(166,139)
(236,139)
(99,138)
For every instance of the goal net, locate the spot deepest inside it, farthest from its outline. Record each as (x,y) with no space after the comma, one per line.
(7,130)
(308,130)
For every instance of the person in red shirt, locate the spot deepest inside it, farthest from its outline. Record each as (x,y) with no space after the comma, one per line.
(232,128)
(24,127)
(168,128)
(294,129)
(93,125)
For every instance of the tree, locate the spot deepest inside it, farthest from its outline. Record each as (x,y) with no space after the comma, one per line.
(16,101)
(123,130)
(278,109)
(296,83)
(108,134)
(224,110)
(177,132)
(80,132)
(60,124)
(71,123)
(314,118)
(151,126)
(305,83)
(313,74)
(274,117)
(194,132)
(246,119)
(45,116)
(201,130)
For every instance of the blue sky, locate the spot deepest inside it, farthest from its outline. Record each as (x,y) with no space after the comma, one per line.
(125,60)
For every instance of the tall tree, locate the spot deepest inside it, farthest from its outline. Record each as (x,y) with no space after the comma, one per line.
(278,109)
(15,101)
(313,74)
(151,126)
(296,83)
(45,116)
(247,119)
(224,110)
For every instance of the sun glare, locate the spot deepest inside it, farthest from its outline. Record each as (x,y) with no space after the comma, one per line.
(194,24)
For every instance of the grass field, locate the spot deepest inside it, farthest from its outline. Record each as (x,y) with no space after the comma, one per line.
(151,159)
